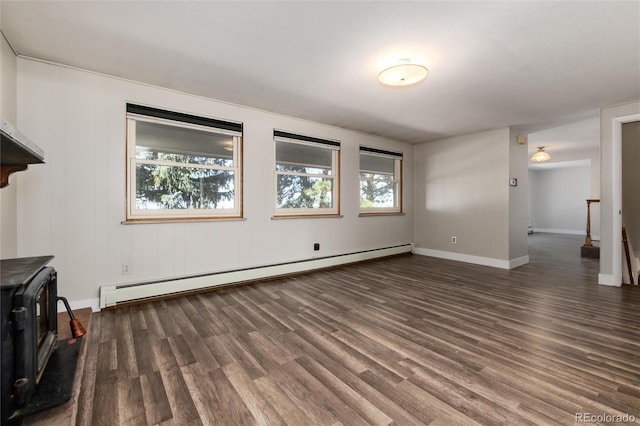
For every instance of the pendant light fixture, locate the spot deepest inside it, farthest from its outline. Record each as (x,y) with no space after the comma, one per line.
(540,156)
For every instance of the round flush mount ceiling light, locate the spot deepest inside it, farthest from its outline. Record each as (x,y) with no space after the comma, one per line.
(404,73)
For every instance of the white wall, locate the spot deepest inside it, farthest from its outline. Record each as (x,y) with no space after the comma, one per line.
(611,119)
(462,189)
(532,219)
(518,201)
(558,199)
(73,206)
(8,82)
(8,108)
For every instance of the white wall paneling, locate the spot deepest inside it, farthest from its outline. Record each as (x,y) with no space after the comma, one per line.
(72,207)
(8,111)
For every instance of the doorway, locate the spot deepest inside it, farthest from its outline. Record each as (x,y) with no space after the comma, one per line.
(631,200)
(611,148)
(560,187)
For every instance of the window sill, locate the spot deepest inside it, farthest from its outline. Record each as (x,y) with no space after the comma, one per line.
(368,214)
(306,216)
(181,220)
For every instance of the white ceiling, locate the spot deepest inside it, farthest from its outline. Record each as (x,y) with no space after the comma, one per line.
(492,64)
(570,145)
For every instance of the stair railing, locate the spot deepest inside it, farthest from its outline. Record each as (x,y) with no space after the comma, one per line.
(625,242)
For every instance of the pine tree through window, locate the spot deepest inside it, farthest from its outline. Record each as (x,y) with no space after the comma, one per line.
(181,166)
(306,175)
(380,181)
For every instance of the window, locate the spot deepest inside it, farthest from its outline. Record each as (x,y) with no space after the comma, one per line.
(181,167)
(306,175)
(380,181)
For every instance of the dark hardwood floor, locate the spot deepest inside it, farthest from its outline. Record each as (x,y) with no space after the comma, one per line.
(402,340)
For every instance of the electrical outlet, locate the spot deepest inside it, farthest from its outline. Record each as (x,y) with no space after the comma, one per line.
(126,269)
(316,246)
(454,240)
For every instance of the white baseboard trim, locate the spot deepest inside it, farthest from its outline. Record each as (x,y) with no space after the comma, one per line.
(111,295)
(467,258)
(94,304)
(561,231)
(518,261)
(608,279)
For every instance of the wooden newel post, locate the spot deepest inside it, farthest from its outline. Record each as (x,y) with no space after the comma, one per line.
(587,239)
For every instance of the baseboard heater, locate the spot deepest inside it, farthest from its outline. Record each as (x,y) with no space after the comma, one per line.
(111,295)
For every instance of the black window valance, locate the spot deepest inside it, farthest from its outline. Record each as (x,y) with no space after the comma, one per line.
(287,135)
(185,118)
(381,151)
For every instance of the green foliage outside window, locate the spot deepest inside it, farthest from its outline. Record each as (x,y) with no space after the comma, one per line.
(376,190)
(296,191)
(166,187)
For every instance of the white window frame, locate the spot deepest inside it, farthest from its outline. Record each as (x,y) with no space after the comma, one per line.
(133,214)
(397,180)
(334,147)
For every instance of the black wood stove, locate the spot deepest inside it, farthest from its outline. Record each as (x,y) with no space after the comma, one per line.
(37,369)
